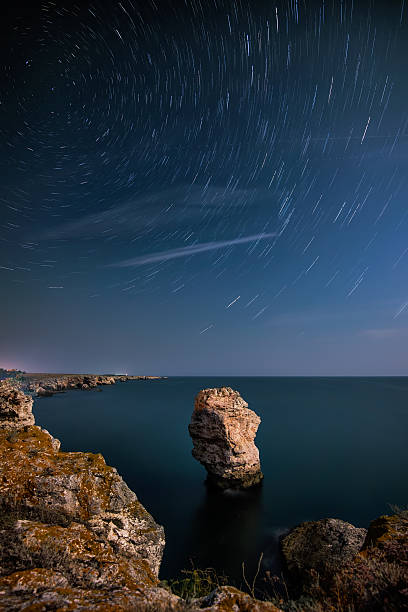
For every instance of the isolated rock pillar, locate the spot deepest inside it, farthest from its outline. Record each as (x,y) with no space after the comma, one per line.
(223,430)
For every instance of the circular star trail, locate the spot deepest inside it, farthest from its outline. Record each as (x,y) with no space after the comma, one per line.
(189,185)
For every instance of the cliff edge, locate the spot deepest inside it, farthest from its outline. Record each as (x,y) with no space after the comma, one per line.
(73,536)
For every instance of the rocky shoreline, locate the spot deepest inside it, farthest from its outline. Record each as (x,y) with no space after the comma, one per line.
(73,536)
(45,385)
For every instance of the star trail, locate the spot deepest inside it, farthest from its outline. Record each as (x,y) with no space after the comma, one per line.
(208,187)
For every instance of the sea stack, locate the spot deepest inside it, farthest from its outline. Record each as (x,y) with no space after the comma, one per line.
(223,430)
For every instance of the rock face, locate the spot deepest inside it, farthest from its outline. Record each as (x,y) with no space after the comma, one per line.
(73,516)
(322,546)
(223,430)
(15,406)
(228,598)
(45,385)
(73,536)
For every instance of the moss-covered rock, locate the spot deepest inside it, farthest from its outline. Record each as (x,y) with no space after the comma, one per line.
(230,599)
(38,590)
(321,546)
(377,579)
(80,486)
(73,536)
(15,406)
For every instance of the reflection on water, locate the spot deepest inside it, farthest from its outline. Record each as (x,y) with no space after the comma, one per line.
(225,528)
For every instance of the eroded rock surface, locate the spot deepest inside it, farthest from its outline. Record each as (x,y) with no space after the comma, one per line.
(332,575)
(223,430)
(73,536)
(229,598)
(323,546)
(45,385)
(378,577)
(69,524)
(40,590)
(15,406)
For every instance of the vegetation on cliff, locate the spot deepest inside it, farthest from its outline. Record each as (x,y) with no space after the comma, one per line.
(73,536)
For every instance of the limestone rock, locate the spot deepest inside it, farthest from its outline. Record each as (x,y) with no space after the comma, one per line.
(322,546)
(77,553)
(223,430)
(377,579)
(386,529)
(74,536)
(47,589)
(78,486)
(41,392)
(15,406)
(229,598)
(133,532)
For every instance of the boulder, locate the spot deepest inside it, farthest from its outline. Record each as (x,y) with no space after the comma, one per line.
(377,578)
(78,486)
(385,530)
(223,430)
(321,546)
(227,598)
(41,392)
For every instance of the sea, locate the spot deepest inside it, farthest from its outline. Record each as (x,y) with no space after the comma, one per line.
(329,447)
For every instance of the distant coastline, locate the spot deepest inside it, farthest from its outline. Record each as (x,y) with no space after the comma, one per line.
(45,384)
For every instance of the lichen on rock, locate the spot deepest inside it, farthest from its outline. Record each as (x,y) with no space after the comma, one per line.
(223,430)
(15,406)
(228,598)
(70,514)
(335,566)
(322,546)
(73,536)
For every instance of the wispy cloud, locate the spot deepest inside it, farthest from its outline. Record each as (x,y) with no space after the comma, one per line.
(160,209)
(188,251)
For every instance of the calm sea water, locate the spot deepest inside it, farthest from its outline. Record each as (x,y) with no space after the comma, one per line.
(330,447)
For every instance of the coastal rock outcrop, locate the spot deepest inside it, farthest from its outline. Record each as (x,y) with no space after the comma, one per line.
(15,407)
(223,430)
(73,536)
(45,385)
(321,546)
(335,566)
(73,516)
(227,598)
(377,579)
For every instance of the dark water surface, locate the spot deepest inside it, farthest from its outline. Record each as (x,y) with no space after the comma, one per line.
(330,447)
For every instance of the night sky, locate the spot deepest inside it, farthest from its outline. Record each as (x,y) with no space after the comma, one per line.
(215,187)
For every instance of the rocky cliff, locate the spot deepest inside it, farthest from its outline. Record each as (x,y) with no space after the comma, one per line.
(45,385)
(15,406)
(223,430)
(70,523)
(73,536)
